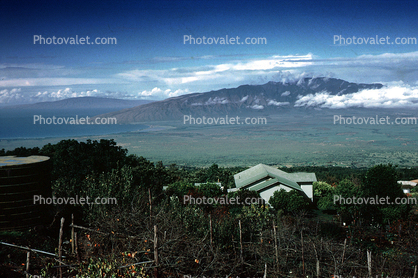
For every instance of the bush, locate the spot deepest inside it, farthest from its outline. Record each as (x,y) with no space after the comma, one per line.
(289,202)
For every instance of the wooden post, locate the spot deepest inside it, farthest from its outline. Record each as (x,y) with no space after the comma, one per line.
(60,245)
(345,244)
(150,206)
(318,271)
(265,271)
(275,245)
(72,234)
(369,262)
(303,259)
(76,247)
(415,272)
(211,233)
(240,241)
(27,264)
(235,250)
(155,251)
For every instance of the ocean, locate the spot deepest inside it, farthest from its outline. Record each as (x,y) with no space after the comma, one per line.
(19,124)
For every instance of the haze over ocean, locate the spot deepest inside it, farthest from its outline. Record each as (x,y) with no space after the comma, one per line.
(19,124)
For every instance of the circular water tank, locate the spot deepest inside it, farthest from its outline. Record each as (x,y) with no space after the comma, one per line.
(22,178)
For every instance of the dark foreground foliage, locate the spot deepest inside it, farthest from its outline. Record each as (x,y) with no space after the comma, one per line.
(216,240)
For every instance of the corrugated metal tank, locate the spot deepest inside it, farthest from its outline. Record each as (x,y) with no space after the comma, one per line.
(20,179)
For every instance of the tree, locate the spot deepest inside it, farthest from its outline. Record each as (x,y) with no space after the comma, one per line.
(75,159)
(21,151)
(116,186)
(346,190)
(242,195)
(289,202)
(180,189)
(210,190)
(322,189)
(325,193)
(381,182)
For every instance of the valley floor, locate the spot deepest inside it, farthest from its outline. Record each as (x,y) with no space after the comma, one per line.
(286,140)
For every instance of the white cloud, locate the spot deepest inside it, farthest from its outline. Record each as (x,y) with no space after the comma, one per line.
(257,107)
(233,71)
(158,93)
(63,94)
(10,96)
(387,67)
(392,96)
(277,103)
(17,95)
(285,94)
(275,62)
(213,74)
(216,100)
(244,98)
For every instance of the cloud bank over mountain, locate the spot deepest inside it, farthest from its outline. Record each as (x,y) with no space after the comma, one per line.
(391,96)
(38,82)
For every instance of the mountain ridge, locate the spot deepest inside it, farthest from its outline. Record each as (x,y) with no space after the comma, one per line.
(266,99)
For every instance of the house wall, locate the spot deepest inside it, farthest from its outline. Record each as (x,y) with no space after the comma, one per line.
(308,189)
(268,193)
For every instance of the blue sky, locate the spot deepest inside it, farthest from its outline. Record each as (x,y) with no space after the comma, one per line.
(151,61)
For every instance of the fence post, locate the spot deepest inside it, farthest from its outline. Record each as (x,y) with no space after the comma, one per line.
(150,206)
(60,245)
(303,259)
(211,232)
(155,251)
(369,262)
(72,234)
(76,247)
(240,241)
(275,245)
(345,244)
(27,264)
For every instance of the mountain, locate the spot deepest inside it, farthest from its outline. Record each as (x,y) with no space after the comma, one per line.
(82,103)
(270,98)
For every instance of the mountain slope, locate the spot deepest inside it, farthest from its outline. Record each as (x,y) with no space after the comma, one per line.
(269,98)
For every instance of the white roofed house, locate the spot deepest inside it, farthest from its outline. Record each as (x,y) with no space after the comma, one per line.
(407,185)
(266,180)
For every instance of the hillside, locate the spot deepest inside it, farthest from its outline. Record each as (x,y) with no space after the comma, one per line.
(270,98)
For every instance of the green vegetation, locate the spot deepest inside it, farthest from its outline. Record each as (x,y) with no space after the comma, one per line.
(289,202)
(324,194)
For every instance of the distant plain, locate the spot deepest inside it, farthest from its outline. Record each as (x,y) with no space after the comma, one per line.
(295,137)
